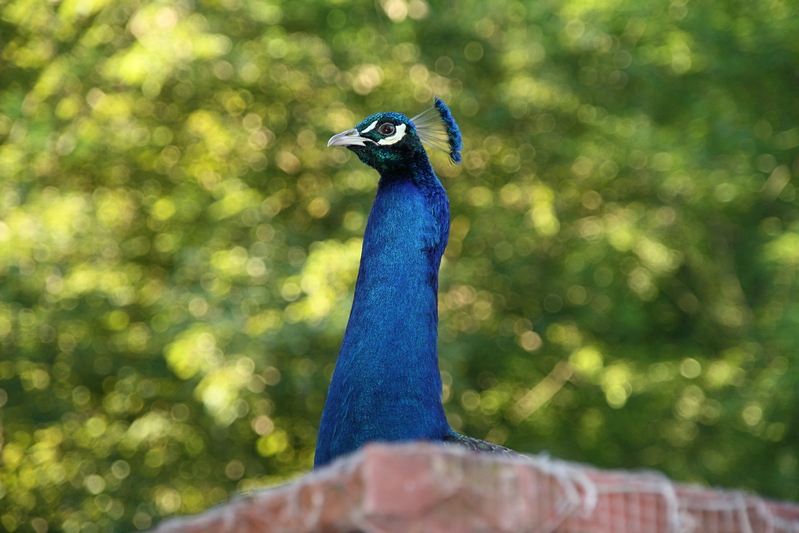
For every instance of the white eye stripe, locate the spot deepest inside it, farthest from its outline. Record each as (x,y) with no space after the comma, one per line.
(397,137)
(370,127)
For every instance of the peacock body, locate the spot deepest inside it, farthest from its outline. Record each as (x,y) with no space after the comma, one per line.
(386,385)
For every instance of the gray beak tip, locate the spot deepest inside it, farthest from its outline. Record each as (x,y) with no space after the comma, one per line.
(348,138)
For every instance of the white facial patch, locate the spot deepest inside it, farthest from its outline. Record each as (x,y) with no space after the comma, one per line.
(370,127)
(397,137)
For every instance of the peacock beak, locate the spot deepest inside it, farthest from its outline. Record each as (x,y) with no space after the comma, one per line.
(348,138)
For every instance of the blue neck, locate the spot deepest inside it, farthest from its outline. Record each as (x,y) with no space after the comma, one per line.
(386,385)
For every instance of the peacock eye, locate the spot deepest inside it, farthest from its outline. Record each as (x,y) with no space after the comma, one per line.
(386,129)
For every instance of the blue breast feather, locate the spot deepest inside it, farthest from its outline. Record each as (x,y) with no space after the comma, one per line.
(386,385)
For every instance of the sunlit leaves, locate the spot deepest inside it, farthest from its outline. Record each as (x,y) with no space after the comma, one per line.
(178,248)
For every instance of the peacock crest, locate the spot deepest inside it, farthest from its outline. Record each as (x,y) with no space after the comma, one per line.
(436,128)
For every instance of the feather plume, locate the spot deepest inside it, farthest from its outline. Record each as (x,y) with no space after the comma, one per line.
(437,129)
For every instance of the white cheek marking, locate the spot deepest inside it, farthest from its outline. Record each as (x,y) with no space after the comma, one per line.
(397,137)
(370,127)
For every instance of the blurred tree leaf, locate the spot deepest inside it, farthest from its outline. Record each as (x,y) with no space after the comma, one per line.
(178,248)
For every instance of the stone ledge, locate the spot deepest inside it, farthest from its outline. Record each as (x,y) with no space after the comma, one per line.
(422,487)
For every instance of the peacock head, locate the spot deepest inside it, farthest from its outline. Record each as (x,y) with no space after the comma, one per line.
(388,141)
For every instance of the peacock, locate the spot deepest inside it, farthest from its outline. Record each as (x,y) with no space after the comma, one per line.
(386,385)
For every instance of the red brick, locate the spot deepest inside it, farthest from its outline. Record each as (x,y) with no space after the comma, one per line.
(426,488)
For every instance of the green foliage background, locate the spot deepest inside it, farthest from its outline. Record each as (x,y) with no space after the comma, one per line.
(178,247)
